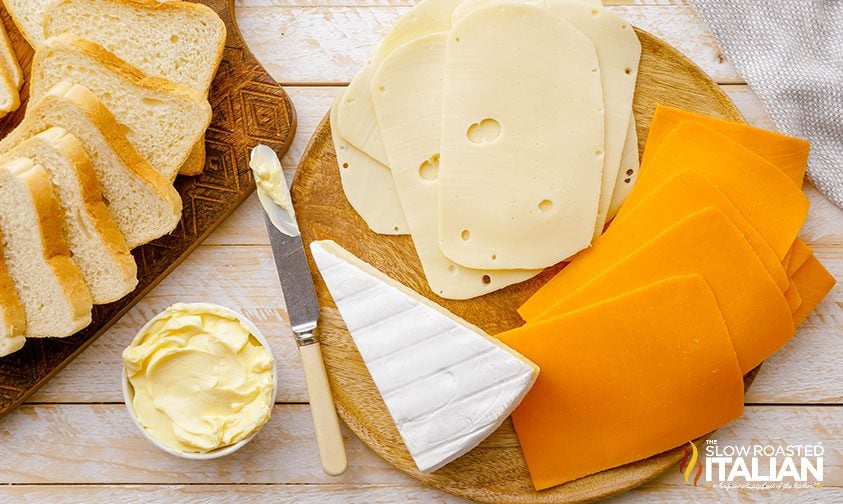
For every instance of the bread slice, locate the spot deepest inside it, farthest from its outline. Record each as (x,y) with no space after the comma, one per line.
(179,41)
(8,58)
(143,203)
(9,97)
(28,15)
(163,121)
(12,318)
(50,286)
(195,163)
(96,244)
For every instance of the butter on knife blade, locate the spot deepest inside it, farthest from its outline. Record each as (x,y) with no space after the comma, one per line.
(272,188)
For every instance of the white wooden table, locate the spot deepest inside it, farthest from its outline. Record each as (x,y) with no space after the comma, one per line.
(73,441)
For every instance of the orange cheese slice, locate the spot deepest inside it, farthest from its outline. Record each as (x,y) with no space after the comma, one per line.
(708,244)
(768,199)
(791,295)
(625,379)
(679,196)
(789,154)
(799,254)
(814,283)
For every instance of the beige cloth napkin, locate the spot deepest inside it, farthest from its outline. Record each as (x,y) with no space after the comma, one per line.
(791,53)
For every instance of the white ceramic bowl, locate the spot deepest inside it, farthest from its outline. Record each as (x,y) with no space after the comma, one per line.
(129,394)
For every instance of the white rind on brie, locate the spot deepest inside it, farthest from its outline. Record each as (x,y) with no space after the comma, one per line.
(446,384)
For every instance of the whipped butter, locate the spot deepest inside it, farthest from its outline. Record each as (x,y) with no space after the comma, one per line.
(201,379)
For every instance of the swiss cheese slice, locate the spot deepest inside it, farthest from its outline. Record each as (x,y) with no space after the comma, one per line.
(522,139)
(788,153)
(356,116)
(407,93)
(368,185)
(769,200)
(708,244)
(813,282)
(624,379)
(678,197)
(618,53)
(446,384)
(628,172)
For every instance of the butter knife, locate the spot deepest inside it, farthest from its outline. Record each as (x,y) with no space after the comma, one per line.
(300,298)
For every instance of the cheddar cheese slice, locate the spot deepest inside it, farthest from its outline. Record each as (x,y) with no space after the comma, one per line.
(708,244)
(678,197)
(789,154)
(799,254)
(814,283)
(794,300)
(769,200)
(625,379)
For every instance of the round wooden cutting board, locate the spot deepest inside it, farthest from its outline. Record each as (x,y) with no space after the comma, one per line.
(495,471)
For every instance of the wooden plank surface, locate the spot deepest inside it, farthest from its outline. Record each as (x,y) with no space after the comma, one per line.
(77,444)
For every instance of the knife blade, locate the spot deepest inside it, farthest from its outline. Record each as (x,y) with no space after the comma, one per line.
(300,299)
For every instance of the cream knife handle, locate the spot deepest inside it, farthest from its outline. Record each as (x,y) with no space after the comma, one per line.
(325,422)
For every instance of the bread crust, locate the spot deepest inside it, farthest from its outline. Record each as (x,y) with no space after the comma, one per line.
(195,163)
(14,318)
(9,59)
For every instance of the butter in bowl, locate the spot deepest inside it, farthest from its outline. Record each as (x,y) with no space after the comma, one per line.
(199,380)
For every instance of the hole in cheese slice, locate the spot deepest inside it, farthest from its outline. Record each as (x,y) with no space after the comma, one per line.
(624,379)
(767,198)
(678,197)
(708,244)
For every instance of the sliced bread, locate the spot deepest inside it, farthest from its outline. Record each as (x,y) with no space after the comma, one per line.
(180,41)
(96,244)
(8,58)
(12,318)
(9,96)
(55,300)
(28,15)
(195,163)
(163,120)
(143,203)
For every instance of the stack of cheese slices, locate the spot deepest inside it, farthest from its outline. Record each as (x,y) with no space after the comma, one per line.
(644,338)
(498,133)
(118,106)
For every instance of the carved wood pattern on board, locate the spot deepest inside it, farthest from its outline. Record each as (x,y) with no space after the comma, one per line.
(249,107)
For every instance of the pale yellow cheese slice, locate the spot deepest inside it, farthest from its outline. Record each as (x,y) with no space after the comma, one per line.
(618,51)
(522,139)
(368,185)
(407,94)
(627,172)
(356,114)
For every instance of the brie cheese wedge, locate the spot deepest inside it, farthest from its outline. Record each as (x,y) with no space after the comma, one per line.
(446,384)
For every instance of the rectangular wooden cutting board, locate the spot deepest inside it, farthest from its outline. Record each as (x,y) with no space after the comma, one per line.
(249,107)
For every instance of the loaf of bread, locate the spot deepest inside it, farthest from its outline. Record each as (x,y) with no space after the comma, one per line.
(144,203)
(55,299)
(96,244)
(162,120)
